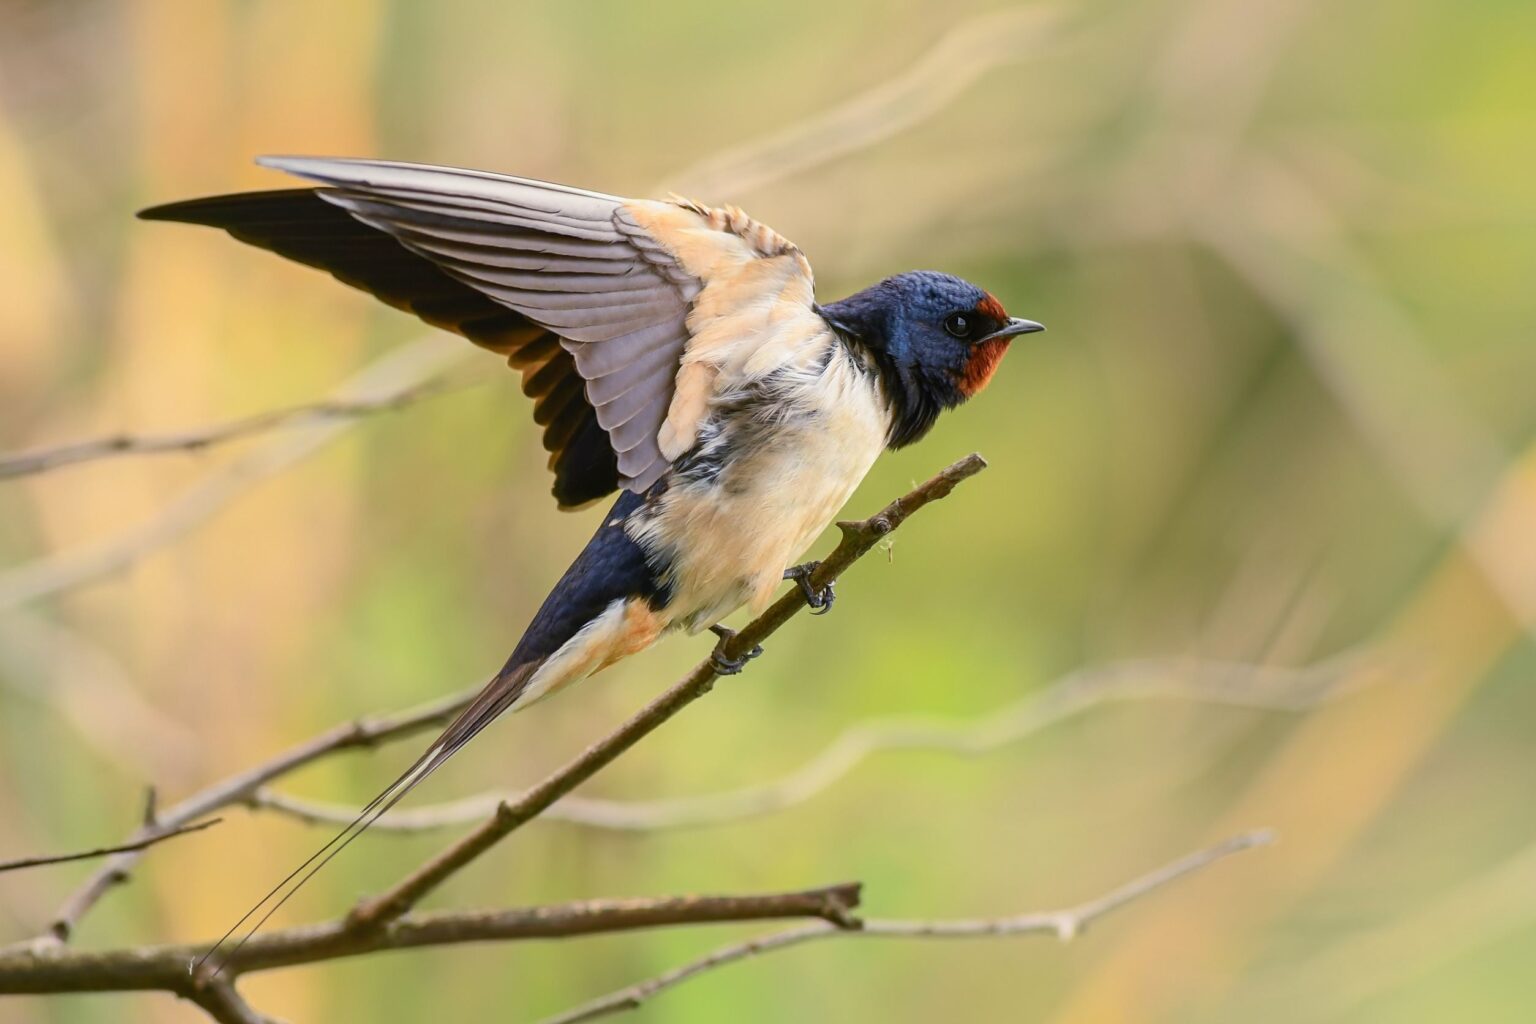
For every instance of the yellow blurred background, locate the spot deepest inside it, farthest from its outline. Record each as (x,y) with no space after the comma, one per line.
(1283,419)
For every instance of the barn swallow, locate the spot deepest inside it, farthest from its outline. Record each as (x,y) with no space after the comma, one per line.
(675,353)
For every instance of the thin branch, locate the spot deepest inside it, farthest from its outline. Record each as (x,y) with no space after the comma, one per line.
(858,539)
(62,969)
(1226,683)
(402,367)
(41,460)
(1064,924)
(137,846)
(360,734)
(930,84)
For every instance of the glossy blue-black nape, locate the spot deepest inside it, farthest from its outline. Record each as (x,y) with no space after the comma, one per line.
(905,322)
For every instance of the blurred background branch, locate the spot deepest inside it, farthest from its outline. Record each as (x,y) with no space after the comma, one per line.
(1236,685)
(42,460)
(1064,924)
(401,369)
(951,66)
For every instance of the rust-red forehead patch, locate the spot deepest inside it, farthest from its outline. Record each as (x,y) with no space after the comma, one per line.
(992,308)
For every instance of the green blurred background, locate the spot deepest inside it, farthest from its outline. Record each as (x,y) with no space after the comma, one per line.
(1283,419)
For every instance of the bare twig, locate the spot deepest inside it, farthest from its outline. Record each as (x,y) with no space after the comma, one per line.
(360,734)
(62,969)
(858,538)
(134,847)
(1214,682)
(403,367)
(1064,924)
(950,67)
(41,460)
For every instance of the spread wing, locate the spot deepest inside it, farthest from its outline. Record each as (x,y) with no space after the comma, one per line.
(621,314)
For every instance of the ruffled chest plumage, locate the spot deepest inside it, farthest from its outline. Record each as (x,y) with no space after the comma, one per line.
(775,460)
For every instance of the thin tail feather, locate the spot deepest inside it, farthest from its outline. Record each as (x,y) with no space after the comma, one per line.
(500,694)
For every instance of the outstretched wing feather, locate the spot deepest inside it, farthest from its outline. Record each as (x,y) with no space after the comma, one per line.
(624,290)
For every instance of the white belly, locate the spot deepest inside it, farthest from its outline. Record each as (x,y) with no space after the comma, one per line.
(729,538)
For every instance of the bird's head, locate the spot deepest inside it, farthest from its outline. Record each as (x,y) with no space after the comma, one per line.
(937,340)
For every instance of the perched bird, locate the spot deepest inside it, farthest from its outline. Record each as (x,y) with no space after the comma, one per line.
(675,353)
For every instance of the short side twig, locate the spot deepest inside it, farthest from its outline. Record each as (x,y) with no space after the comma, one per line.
(159,836)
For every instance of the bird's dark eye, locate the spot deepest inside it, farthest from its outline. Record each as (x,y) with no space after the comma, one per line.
(959,325)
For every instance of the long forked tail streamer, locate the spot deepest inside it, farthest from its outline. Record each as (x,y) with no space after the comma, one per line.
(498,696)
(358,825)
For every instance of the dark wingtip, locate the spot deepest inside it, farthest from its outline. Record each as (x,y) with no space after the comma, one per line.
(165,211)
(238,208)
(187,211)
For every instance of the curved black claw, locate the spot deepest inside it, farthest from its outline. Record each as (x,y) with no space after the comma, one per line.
(819,600)
(722,665)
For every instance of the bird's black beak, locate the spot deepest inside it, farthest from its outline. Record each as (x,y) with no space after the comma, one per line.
(1014,326)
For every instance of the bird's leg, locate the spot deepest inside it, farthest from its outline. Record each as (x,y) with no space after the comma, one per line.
(729,666)
(819,600)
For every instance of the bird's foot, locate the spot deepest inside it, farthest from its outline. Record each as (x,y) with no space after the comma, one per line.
(722,665)
(819,600)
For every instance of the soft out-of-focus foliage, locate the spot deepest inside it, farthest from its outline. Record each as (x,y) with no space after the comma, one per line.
(1284,410)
